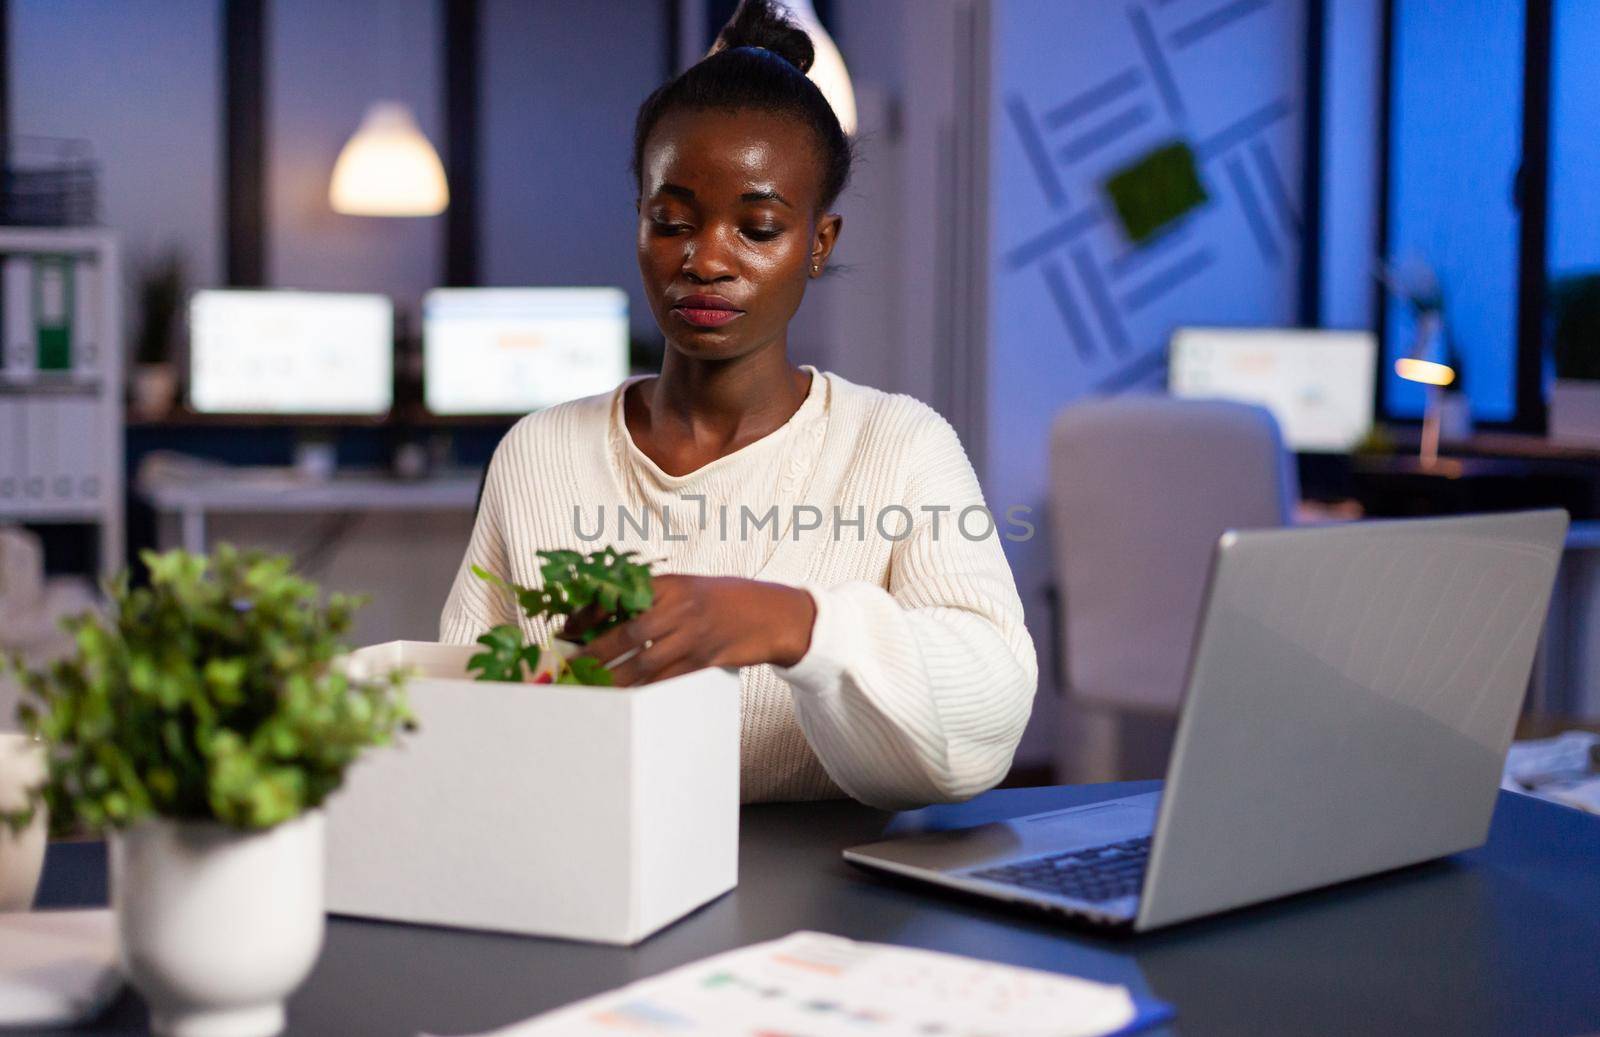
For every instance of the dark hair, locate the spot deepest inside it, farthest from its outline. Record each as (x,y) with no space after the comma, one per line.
(759,62)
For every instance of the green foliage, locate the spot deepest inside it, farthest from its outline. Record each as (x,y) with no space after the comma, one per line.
(585,670)
(608,587)
(505,655)
(210,695)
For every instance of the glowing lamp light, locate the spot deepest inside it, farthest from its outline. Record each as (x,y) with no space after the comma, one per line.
(388,168)
(1424,371)
(827,69)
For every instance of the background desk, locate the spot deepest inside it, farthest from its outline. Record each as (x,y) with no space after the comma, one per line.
(399,542)
(1502,940)
(275,492)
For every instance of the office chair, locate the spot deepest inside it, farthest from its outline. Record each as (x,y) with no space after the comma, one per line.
(1140,490)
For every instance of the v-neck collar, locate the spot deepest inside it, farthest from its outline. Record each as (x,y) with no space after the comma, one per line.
(809,491)
(618,427)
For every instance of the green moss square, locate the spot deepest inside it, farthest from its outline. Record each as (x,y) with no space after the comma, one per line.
(1156,191)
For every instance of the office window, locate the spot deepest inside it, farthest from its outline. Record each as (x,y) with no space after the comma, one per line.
(1455,141)
(1572,249)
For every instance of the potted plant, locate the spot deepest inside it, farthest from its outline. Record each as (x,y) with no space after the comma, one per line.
(204,722)
(155,375)
(1575,342)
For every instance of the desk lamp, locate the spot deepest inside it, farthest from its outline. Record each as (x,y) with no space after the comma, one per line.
(1426,366)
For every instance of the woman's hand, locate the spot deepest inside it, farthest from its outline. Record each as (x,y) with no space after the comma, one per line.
(700,621)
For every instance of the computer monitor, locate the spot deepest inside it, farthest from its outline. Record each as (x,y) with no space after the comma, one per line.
(1318,384)
(515,350)
(291,352)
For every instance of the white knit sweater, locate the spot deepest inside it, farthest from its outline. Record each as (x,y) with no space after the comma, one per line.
(920,674)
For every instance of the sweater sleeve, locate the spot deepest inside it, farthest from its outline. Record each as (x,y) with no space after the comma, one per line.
(919,693)
(473,605)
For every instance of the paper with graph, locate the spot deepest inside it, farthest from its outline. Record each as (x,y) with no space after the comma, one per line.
(814,985)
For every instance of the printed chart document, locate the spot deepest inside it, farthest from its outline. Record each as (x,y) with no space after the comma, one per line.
(814,985)
(1564,769)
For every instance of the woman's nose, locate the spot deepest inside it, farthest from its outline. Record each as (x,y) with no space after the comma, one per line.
(707,259)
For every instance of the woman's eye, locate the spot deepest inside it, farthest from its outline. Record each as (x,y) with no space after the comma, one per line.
(669,226)
(762,233)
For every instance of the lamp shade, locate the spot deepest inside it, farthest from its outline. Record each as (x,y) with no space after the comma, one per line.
(388,168)
(827,69)
(1429,362)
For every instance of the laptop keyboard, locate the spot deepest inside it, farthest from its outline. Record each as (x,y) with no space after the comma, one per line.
(1096,874)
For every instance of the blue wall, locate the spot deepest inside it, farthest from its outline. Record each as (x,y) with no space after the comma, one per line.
(143,83)
(144,93)
(1352,103)
(1574,238)
(1455,142)
(1079,90)
(559,93)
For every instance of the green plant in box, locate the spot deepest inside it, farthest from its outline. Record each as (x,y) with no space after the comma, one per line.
(213,694)
(593,592)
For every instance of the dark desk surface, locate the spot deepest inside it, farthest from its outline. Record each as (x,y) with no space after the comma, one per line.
(1502,940)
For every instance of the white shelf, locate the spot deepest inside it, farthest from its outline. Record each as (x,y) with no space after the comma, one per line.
(51,382)
(50,514)
(86,241)
(66,427)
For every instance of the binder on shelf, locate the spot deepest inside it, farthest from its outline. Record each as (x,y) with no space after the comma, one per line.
(53,305)
(13,449)
(60,436)
(86,319)
(39,413)
(76,481)
(16,305)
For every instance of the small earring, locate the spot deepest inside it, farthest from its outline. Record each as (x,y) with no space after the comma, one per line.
(814,268)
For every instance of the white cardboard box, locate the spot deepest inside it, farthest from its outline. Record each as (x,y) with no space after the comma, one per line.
(597,814)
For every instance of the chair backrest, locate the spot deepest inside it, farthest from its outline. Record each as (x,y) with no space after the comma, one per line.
(1140,490)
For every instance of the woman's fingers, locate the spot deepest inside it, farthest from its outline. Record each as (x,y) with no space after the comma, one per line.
(652,660)
(619,641)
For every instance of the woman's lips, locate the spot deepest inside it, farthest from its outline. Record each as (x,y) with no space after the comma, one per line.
(706,318)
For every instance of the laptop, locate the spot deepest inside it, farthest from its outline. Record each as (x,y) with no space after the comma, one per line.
(1352,692)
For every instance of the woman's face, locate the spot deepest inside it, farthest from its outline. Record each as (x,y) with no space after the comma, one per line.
(729,228)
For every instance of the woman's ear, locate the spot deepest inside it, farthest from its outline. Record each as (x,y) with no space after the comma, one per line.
(822,244)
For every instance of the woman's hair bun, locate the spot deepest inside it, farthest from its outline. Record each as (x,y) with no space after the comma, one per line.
(766,24)
(757,64)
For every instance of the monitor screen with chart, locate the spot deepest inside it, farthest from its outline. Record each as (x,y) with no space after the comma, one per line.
(1318,384)
(291,352)
(515,350)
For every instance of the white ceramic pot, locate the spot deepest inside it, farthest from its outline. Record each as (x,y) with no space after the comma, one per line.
(22,768)
(216,927)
